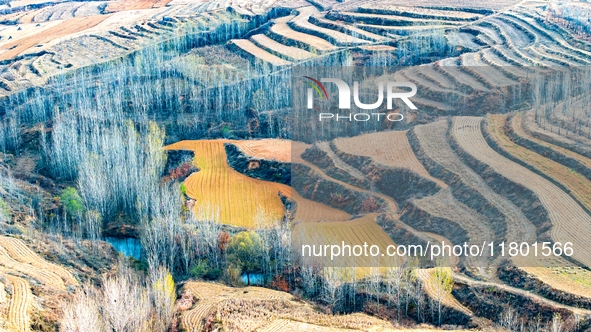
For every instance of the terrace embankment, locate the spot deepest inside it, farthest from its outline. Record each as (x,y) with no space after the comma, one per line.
(521,196)
(519,278)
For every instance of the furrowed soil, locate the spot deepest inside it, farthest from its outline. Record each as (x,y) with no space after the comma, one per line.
(238,196)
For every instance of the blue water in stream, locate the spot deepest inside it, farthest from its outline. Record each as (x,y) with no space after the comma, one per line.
(129,247)
(255,279)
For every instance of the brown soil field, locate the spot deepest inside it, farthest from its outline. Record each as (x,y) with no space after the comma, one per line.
(272,149)
(123,5)
(63,29)
(390,148)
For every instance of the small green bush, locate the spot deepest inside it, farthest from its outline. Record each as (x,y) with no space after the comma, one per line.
(202,270)
(227,132)
(213,274)
(72,202)
(4,211)
(199,270)
(183,189)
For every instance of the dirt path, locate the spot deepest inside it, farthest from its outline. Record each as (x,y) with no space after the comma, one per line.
(534,297)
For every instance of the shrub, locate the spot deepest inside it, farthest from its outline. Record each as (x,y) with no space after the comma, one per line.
(227,132)
(202,270)
(213,274)
(14,230)
(4,211)
(72,202)
(199,270)
(232,276)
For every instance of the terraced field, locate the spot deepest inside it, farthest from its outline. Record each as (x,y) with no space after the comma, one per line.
(217,184)
(390,148)
(434,143)
(444,205)
(519,128)
(575,183)
(22,269)
(468,54)
(354,232)
(550,133)
(570,223)
(272,149)
(277,311)
(20,304)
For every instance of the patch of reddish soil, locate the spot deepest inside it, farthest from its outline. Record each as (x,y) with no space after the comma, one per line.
(123,5)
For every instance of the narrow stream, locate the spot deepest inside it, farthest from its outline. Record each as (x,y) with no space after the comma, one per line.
(129,247)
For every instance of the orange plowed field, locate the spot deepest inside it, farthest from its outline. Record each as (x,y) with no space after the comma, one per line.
(238,196)
(122,5)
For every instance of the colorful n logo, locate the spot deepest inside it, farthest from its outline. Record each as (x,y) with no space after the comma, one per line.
(320,90)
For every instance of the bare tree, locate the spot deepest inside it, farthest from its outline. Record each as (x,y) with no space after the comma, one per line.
(331,291)
(442,282)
